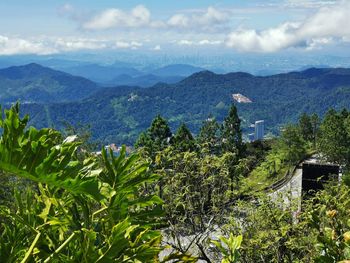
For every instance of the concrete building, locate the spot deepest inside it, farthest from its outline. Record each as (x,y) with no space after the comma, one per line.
(259,130)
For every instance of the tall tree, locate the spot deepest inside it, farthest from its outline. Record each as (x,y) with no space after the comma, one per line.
(157,137)
(209,134)
(335,142)
(183,139)
(305,126)
(292,144)
(232,133)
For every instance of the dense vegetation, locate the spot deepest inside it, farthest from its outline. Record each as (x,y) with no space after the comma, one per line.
(208,190)
(276,99)
(119,114)
(179,197)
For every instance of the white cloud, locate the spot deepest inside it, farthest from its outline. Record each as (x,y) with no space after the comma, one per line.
(185,42)
(122,44)
(140,17)
(204,19)
(296,4)
(126,45)
(110,18)
(136,44)
(45,46)
(318,43)
(12,46)
(61,44)
(308,3)
(329,22)
(179,20)
(209,42)
(212,16)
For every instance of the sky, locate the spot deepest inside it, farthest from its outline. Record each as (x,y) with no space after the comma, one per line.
(237,26)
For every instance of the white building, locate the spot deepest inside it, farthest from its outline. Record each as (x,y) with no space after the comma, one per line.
(259,130)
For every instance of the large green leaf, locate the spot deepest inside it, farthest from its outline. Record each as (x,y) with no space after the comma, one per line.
(126,175)
(41,156)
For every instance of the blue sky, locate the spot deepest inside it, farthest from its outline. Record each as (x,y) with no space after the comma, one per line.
(244,26)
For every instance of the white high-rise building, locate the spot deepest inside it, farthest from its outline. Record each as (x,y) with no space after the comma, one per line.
(259,130)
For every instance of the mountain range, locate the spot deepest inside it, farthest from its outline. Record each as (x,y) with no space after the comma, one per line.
(34,83)
(124,74)
(119,114)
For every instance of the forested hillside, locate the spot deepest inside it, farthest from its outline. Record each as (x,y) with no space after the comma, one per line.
(33,83)
(119,114)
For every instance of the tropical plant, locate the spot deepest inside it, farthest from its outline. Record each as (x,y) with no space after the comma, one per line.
(229,247)
(75,211)
(328,218)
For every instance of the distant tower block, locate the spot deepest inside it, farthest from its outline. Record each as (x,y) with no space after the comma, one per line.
(259,130)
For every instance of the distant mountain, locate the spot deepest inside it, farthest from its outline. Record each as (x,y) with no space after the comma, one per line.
(103,74)
(120,114)
(313,66)
(176,70)
(142,81)
(120,73)
(35,83)
(61,64)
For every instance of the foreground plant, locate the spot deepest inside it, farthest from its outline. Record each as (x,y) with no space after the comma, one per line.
(229,248)
(72,211)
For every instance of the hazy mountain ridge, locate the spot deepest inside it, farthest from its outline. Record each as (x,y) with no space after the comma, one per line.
(124,74)
(119,114)
(38,84)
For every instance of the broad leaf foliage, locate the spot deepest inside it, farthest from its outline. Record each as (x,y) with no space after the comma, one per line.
(66,210)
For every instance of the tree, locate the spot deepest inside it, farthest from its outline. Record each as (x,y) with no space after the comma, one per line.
(209,134)
(183,140)
(234,170)
(157,137)
(335,142)
(306,127)
(160,130)
(195,192)
(292,144)
(315,122)
(231,133)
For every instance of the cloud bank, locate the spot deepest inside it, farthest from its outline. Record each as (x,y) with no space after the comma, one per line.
(140,17)
(200,28)
(208,19)
(319,29)
(46,46)
(12,46)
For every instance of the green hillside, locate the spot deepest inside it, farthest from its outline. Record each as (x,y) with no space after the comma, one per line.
(120,114)
(33,83)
